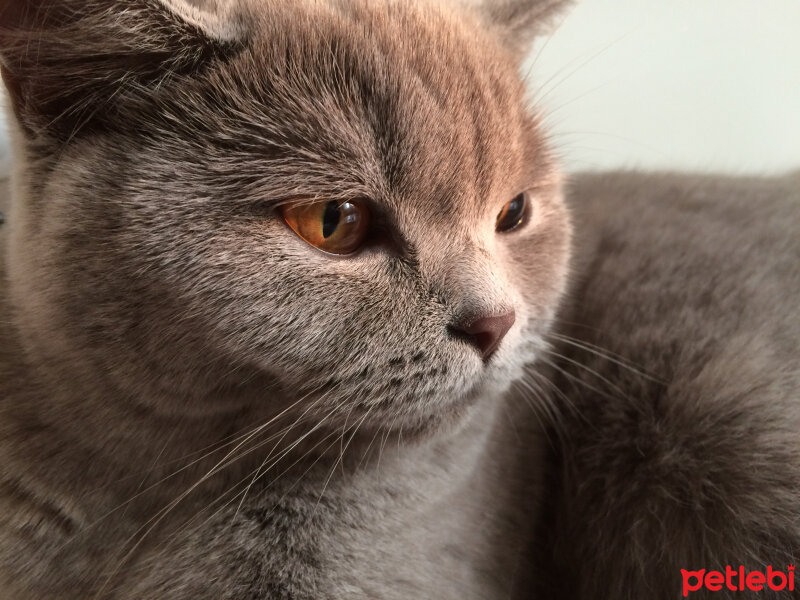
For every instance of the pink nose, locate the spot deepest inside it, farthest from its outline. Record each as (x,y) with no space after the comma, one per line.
(485,333)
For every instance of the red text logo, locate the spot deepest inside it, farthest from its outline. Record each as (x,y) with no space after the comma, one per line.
(737,580)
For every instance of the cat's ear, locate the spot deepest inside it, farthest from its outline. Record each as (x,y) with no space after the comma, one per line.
(70,65)
(519,22)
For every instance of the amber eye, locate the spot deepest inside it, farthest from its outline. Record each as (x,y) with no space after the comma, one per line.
(513,214)
(332,226)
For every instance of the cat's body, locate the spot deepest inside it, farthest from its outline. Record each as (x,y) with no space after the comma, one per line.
(681,431)
(194,403)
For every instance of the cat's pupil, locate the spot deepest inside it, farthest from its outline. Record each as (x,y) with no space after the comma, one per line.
(330,219)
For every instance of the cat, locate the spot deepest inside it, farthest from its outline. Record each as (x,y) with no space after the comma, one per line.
(197,402)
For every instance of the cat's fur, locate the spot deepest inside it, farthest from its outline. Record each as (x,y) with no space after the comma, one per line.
(154,306)
(684,454)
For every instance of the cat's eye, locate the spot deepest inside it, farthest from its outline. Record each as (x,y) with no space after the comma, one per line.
(332,226)
(513,214)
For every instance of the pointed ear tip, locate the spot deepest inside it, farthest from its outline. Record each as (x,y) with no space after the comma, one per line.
(521,22)
(524,14)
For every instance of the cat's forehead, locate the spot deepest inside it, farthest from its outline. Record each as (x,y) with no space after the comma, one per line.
(400,101)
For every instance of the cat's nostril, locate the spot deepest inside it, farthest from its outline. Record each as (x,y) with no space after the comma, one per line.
(485,332)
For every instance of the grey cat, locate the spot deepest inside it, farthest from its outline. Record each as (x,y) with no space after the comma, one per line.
(284,316)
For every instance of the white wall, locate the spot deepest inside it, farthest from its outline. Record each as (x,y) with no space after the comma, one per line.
(4,155)
(683,84)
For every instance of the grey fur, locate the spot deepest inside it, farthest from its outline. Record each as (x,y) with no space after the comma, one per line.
(681,447)
(155,306)
(517,21)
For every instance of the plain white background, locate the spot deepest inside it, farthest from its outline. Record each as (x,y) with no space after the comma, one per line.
(701,85)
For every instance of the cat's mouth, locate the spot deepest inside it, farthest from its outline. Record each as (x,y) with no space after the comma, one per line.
(418,390)
(424,402)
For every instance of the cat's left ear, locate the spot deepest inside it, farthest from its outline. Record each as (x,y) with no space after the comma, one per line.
(71,65)
(519,22)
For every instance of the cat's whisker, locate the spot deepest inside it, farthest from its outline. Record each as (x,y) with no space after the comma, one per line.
(533,380)
(536,378)
(205,452)
(369,447)
(340,460)
(552,34)
(607,355)
(150,470)
(385,438)
(547,119)
(261,472)
(335,464)
(184,529)
(588,370)
(321,455)
(538,401)
(558,320)
(226,461)
(240,439)
(560,134)
(540,97)
(187,529)
(598,351)
(574,380)
(332,434)
(567,403)
(258,473)
(346,420)
(511,423)
(130,500)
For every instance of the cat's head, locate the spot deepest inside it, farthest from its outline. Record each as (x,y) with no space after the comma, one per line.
(345,202)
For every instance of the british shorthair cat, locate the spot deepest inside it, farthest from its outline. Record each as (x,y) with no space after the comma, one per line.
(285,314)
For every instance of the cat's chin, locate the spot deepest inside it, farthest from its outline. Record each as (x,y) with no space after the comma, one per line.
(418,410)
(421,428)
(422,424)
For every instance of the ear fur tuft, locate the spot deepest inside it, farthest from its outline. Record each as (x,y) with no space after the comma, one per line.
(519,22)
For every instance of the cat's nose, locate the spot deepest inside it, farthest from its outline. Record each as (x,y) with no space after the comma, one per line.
(484,332)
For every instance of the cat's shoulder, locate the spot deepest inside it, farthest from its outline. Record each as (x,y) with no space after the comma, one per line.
(642,194)
(680,363)
(684,218)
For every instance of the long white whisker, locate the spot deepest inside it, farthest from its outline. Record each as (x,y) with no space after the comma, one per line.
(151,523)
(341,456)
(606,354)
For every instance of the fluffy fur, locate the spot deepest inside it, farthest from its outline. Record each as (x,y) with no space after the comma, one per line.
(196,404)
(680,386)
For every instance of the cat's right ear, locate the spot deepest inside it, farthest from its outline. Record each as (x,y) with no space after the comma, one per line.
(72,65)
(519,22)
